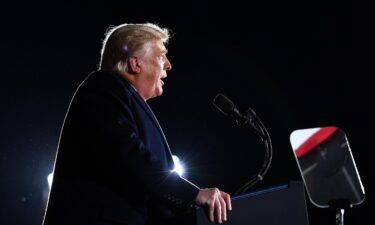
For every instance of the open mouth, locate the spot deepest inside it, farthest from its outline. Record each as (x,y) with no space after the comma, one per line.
(162,79)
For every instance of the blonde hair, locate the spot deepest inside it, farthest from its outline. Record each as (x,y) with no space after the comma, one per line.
(127,40)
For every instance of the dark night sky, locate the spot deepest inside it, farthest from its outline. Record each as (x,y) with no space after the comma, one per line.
(298,64)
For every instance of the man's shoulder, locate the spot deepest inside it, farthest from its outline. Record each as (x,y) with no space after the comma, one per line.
(99,84)
(102,80)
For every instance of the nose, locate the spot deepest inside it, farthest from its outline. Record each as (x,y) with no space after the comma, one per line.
(167,64)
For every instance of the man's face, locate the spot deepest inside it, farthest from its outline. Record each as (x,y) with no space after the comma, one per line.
(154,65)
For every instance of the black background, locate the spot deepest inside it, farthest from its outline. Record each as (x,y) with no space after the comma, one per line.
(298,64)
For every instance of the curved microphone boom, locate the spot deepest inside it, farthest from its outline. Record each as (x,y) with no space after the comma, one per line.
(227,107)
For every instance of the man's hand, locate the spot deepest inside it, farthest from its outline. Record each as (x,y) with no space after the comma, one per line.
(217,202)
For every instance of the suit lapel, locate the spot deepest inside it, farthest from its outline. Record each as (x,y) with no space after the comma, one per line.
(148,111)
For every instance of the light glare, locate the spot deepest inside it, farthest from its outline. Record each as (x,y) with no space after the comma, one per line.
(49,180)
(178,168)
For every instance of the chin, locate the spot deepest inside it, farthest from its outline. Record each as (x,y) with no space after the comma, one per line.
(159,91)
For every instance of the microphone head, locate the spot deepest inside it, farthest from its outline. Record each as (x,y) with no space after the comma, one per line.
(223,104)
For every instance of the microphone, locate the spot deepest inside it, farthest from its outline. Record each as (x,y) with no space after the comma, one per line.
(226,106)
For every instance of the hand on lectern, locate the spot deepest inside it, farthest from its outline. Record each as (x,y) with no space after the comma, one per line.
(217,202)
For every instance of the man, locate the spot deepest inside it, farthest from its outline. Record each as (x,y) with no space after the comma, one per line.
(113,164)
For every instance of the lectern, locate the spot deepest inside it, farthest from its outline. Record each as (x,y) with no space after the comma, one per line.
(279,205)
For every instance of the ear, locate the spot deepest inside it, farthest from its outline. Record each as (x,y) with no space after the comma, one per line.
(134,65)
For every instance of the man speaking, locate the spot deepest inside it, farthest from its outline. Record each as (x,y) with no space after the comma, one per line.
(114,164)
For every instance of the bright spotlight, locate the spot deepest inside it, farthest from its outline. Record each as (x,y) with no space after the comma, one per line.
(177,165)
(49,180)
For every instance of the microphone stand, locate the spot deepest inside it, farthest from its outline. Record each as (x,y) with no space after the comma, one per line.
(339,205)
(253,121)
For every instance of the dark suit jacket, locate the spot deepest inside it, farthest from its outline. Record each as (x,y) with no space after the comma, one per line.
(113,163)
